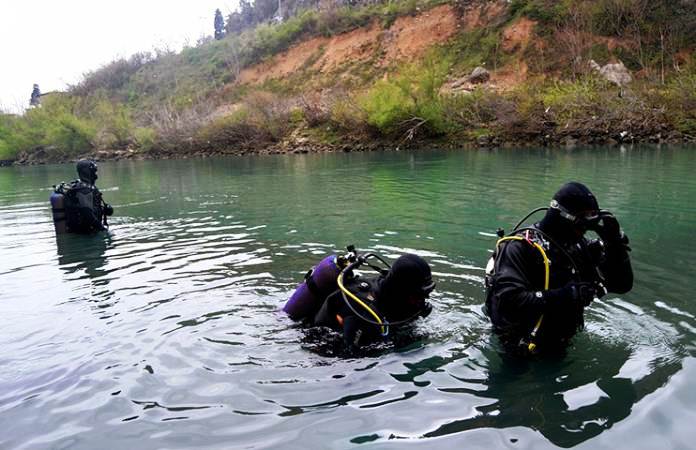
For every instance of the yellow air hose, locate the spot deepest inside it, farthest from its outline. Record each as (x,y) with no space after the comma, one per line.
(360,302)
(532,346)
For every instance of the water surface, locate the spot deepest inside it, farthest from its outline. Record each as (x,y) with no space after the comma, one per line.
(165,332)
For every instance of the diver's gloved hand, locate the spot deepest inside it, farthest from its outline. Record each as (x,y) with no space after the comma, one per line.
(108,209)
(578,293)
(583,293)
(609,230)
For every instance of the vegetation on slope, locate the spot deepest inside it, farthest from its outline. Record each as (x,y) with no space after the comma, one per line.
(189,101)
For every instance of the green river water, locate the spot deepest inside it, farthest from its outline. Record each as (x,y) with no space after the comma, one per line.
(167,331)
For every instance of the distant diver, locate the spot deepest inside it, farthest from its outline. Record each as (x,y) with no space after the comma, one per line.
(78,206)
(541,278)
(363,309)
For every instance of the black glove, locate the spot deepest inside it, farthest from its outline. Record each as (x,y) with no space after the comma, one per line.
(108,209)
(609,230)
(582,292)
(579,293)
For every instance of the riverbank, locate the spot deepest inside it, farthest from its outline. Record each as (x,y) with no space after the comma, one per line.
(306,145)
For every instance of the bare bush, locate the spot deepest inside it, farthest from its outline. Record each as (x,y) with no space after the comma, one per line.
(572,36)
(348,115)
(316,108)
(231,131)
(261,119)
(477,109)
(175,128)
(270,112)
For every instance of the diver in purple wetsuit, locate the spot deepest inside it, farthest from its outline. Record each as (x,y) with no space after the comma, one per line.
(363,309)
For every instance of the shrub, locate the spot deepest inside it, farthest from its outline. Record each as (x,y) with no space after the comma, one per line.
(145,138)
(70,134)
(315,109)
(112,76)
(6,152)
(8,148)
(544,11)
(57,125)
(387,106)
(347,115)
(115,125)
(680,98)
(175,128)
(269,112)
(410,101)
(236,129)
(569,100)
(475,110)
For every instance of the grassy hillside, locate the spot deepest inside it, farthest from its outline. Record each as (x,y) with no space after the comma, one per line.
(335,76)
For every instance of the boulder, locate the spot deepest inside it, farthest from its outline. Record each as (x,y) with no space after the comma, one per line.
(615,73)
(479,75)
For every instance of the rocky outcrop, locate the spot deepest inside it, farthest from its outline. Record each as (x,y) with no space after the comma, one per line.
(479,75)
(468,83)
(615,73)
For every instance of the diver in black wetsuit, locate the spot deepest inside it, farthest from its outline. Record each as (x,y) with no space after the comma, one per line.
(540,279)
(85,209)
(395,298)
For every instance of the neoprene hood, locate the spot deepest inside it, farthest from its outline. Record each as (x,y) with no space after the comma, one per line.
(409,274)
(87,171)
(576,198)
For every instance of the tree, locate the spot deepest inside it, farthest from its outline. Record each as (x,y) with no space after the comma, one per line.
(264,10)
(219,25)
(240,19)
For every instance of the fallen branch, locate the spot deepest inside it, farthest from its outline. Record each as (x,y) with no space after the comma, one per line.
(411,132)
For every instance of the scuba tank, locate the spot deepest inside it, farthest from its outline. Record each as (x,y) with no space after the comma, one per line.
(323,280)
(58,209)
(318,283)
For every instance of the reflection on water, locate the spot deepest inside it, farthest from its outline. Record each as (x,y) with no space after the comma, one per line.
(83,254)
(166,332)
(567,400)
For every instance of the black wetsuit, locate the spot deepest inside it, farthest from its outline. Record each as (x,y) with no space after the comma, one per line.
(336,314)
(515,290)
(84,208)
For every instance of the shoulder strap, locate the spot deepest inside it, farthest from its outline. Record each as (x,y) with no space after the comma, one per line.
(532,240)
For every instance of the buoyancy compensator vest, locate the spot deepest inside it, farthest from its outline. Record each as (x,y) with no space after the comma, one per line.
(77,208)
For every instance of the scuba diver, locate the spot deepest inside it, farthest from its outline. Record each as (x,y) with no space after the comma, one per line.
(78,206)
(541,278)
(364,309)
